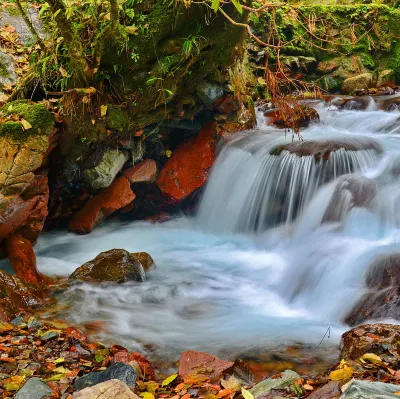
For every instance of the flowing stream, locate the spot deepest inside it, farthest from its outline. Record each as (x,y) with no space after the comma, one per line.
(277,252)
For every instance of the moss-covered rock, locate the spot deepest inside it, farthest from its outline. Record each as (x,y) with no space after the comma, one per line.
(116,265)
(359,82)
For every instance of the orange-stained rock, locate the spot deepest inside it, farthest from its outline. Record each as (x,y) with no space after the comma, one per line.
(102,205)
(23,259)
(193,362)
(143,172)
(144,364)
(188,168)
(227,104)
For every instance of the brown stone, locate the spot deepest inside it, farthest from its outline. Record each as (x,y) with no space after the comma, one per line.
(102,205)
(227,104)
(193,362)
(112,389)
(145,259)
(370,338)
(187,169)
(329,391)
(23,259)
(145,171)
(146,367)
(15,296)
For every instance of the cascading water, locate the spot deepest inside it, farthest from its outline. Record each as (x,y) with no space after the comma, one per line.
(309,226)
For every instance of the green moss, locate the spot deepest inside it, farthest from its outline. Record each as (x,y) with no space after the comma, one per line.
(39,117)
(117,119)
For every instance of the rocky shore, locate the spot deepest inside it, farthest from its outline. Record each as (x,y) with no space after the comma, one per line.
(41,360)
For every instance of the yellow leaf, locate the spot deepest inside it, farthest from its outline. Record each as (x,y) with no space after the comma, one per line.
(103,110)
(63,72)
(57,377)
(371,357)
(59,360)
(132,30)
(147,395)
(25,124)
(168,153)
(308,387)
(247,394)
(12,386)
(168,380)
(342,374)
(5,326)
(261,81)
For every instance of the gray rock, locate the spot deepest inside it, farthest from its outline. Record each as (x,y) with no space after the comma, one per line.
(356,389)
(7,73)
(287,378)
(34,389)
(102,175)
(117,371)
(11,16)
(209,92)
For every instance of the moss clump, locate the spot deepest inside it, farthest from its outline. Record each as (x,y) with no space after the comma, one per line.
(38,116)
(117,120)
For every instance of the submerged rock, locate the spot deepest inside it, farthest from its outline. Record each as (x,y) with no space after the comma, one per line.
(113,389)
(382,301)
(357,389)
(145,259)
(104,173)
(370,338)
(285,379)
(193,362)
(116,265)
(117,371)
(321,150)
(102,205)
(34,388)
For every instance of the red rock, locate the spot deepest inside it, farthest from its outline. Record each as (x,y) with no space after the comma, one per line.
(143,172)
(188,168)
(73,333)
(193,362)
(159,217)
(227,104)
(102,205)
(145,365)
(23,259)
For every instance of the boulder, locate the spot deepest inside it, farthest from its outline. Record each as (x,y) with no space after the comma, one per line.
(146,368)
(371,338)
(145,171)
(116,265)
(357,389)
(7,73)
(102,205)
(23,259)
(145,259)
(359,82)
(188,168)
(357,103)
(113,389)
(24,194)
(34,388)
(193,362)
(321,150)
(15,296)
(227,104)
(117,371)
(103,174)
(382,300)
(350,191)
(209,92)
(285,379)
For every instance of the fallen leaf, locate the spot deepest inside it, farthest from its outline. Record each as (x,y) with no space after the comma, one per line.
(247,394)
(103,110)
(371,357)
(169,379)
(342,374)
(147,395)
(308,387)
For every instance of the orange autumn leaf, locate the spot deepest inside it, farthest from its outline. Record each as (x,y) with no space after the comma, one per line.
(225,392)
